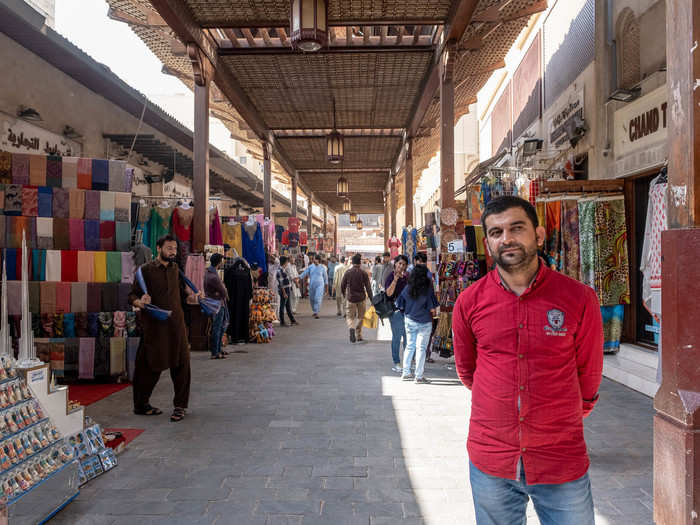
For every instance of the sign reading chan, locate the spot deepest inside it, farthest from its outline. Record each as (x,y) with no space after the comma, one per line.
(641,131)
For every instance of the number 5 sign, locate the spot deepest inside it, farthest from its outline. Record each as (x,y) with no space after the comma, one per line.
(455,246)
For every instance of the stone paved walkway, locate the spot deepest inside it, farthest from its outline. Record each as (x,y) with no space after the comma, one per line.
(312,430)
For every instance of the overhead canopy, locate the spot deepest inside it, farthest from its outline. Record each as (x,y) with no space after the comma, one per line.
(380,70)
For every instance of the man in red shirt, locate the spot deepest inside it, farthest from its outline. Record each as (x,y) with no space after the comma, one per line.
(528,343)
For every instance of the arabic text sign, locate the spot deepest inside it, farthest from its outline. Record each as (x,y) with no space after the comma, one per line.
(18,136)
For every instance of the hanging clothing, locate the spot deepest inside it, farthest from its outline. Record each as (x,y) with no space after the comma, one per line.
(394,244)
(586,228)
(613,317)
(253,247)
(240,291)
(231,234)
(158,225)
(612,264)
(195,267)
(36,175)
(570,260)
(215,236)
(70,172)
(656,223)
(182,223)
(553,242)
(84,174)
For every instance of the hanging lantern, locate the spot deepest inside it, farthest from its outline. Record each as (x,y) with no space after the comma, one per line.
(334,141)
(353,218)
(342,187)
(309,21)
(359,224)
(347,206)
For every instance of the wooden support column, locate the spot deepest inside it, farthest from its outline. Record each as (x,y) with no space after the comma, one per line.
(294,195)
(310,217)
(677,403)
(203,73)
(447,127)
(267,181)
(386,221)
(408,184)
(324,228)
(335,236)
(393,205)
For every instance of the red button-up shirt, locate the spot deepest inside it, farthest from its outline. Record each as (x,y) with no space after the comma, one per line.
(534,364)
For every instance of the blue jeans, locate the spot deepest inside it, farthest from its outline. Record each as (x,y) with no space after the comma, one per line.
(499,501)
(417,336)
(217,331)
(398,332)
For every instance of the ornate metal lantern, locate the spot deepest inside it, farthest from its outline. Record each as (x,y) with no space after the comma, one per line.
(359,224)
(334,143)
(353,217)
(347,206)
(342,187)
(309,23)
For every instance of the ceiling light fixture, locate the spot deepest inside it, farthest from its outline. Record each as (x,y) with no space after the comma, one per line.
(309,23)
(334,143)
(347,206)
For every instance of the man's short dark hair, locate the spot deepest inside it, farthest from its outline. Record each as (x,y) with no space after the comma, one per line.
(215,259)
(342,259)
(377,259)
(501,204)
(165,238)
(421,257)
(386,254)
(317,257)
(357,259)
(227,247)
(283,260)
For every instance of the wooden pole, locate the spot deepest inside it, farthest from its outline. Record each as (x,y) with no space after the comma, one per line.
(677,402)
(408,184)
(309,217)
(386,221)
(267,181)
(447,127)
(294,195)
(393,205)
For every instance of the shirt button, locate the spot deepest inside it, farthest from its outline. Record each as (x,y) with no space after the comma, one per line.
(522,387)
(522,419)
(520,356)
(521,325)
(524,449)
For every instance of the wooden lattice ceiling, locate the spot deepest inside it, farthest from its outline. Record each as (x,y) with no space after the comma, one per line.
(377,90)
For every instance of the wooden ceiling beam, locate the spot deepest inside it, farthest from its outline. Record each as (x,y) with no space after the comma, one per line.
(399,35)
(416,34)
(493,13)
(282,33)
(350,48)
(384,31)
(266,36)
(248,34)
(255,24)
(367,31)
(231,35)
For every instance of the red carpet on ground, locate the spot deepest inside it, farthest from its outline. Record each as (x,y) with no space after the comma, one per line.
(89,394)
(129,434)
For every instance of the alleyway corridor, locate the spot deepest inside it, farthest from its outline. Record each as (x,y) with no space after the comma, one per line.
(313,430)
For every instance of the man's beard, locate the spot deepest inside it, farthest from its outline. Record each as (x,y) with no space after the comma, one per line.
(168,259)
(519,257)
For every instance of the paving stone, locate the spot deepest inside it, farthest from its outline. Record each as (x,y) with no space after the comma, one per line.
(311,430)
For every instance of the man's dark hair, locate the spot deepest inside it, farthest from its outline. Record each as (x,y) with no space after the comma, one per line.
(401,257)
(165,238)
(501,204)
(283,260)
(342,259)
(357,259)
(317,258)
(215,259)
(421,257)
(227,247)
(386,254)
(254,266)
(377,259)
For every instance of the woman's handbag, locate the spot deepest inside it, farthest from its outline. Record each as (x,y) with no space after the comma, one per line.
(383,305)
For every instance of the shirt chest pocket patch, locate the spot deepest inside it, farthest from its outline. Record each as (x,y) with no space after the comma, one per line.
(555,323)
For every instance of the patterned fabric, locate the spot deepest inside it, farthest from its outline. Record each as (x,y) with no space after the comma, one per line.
(54,172)
(70,173)
(5,167)
(21,168)
(232,236)
(86,359)
(656,222)
(613,316)
(92,205)
(116,179)
(61,205)
(553,244)
(122,206)
(107,205)
(30,201)
(571,262)
(586,227)
(13,199)
(612,264)
(182,223)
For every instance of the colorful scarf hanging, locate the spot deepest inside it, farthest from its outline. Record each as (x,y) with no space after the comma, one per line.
(117,356)
(613,317)
(86,267)
(5,167)
(114,267)
(92,235)
(571,262)
(13,199)
(14,297)
(53,265)
(34,297)
(54,172)
(70,172)
(132,346)
(76,204)
(45,202)
(76,234)
(92,205)
(122,236)
(100,271)
(38,265)
(57,357)
(553,243)
(116,179)
(128,267)
(612,264)
(71,349)
(123,292)
(215,236)
(107,205)
(86,358)
(78,297)
(587,246)
(122,206)
(85,174)
(11,268)
(62,298)
(30,201)
(110,297)
(69,266)
(47,291)
(22,170)
(100,174)
(94,302)
(61,234)
(61,204)
(107,231)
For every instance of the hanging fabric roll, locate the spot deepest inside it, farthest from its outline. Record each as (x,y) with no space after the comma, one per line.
(37,172)
(100,271)
(553,242)
(11,269)
(30,201)
(54,172)
(53,265)
(92,235)
(76,234)
(45,202)
(76,204)
(86,267)
(70,172)
(194,270)
(92,205)
(100,174)
(85,174)
(107,231)
(69,266)
(61,205)
(5,167)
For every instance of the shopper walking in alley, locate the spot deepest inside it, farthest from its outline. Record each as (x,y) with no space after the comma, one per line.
(356,289)
(295,292)
(418,303)
(318,282)
(539,340)
(377,270)
(164,342)
(340,270)
(215,289)
(395,283)
(387,268)
(285,288)
(332,263)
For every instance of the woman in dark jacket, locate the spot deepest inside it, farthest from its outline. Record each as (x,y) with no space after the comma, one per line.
(395,283)
(418,303)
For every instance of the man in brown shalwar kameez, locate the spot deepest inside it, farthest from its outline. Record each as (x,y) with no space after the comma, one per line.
(164,344)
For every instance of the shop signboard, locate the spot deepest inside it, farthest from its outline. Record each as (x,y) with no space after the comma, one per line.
(456,246)
(641,132)
(19,136)
(564,113)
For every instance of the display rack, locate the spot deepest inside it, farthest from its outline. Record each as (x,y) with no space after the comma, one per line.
(262,316)
(38,470)
(94,457)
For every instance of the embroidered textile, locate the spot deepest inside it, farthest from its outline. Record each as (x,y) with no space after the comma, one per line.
(30,201)
(54,172)
(61,206)
(612,264)
(587,246)
(571,262)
